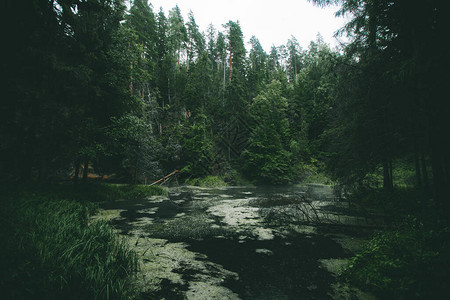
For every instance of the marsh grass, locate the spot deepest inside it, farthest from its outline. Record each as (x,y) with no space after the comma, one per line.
(50,250)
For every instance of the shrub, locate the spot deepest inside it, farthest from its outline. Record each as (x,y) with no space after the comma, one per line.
(208,181)
(409,262)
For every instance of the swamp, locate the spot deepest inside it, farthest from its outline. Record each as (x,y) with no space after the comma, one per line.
(146,154)
(243,242)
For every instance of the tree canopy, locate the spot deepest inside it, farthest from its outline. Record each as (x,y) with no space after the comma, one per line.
(141,93)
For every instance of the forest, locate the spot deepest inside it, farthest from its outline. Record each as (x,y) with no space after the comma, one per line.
(128,95)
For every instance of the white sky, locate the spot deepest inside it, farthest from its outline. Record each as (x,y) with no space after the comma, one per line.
(271,21)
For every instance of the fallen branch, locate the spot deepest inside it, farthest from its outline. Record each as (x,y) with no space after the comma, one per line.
(165,177)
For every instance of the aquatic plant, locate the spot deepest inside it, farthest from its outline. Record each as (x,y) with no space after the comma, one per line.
(197,226)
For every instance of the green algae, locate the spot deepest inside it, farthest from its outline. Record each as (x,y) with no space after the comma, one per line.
(174,237)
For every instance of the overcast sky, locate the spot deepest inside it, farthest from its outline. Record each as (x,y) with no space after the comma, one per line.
(271,21)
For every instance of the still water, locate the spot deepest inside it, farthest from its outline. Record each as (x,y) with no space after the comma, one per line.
(243,242)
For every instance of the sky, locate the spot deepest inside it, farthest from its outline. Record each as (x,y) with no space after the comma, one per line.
(271,21)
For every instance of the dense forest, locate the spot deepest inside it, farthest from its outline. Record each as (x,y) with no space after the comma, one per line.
(90,86)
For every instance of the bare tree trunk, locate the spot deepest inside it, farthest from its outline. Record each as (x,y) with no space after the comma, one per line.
(387,175)
(77,171)
(437,166)
(417,167)
(131,78)
(231,66)
(391,177)
(224,74)
(424,172)
(295,68)
(42,172)
(85,169)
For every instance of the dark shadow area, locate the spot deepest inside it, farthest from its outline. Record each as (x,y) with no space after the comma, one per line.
(133,211)
(168,290)
(282,268)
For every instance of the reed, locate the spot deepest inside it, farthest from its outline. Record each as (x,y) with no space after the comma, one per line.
(51,251)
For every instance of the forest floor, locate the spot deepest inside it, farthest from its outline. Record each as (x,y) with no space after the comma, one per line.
(243,242)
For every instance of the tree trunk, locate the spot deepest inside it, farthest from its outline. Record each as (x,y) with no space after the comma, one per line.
(135,172)
(391,177)
(224,70)
(295,69)
(387,175)
(131,79)
(438,181)
(231,66)
(85,169)
(77,171)
(417,167)
(42,172)
(424,172)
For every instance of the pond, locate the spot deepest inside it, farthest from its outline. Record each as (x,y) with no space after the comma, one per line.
(243,242)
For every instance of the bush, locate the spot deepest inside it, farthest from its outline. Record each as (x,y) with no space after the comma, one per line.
(208,181)
(410,262)
(398,202)
(50,251)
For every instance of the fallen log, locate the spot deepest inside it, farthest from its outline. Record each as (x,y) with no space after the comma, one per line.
(165,178)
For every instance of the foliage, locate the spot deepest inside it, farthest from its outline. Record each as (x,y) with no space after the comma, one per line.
(267,157)
(50,250)
(318,177)
(144,94)
(141,94)
(208,181)
(409,262)
(389,82)
(398,203)
(132,192)
(197,146)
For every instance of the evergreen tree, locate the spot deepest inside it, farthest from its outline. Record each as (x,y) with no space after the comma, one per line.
(267,158)
(258,70)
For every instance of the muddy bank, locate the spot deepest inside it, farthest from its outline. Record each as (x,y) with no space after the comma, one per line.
(242,242)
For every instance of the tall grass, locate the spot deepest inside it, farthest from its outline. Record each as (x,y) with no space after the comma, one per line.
(51,251)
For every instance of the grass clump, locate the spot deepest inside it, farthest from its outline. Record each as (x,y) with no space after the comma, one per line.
(136,192)
(50,251)
(208,181)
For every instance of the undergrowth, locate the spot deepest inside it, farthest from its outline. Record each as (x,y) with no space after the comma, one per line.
(208,181)
(411,260)
(50,249)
